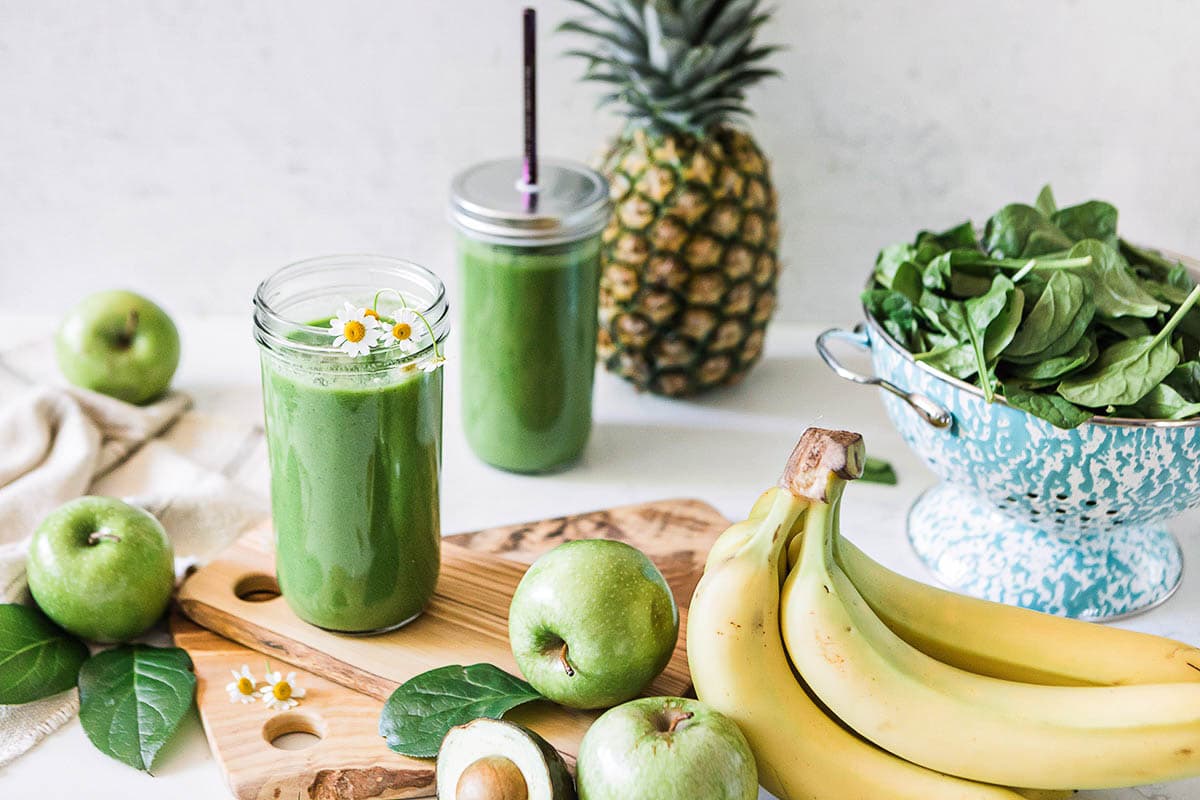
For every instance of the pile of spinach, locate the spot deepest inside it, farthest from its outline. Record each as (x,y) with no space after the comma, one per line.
(1051,310)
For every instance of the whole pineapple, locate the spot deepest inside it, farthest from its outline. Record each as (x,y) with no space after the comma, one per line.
(690,255)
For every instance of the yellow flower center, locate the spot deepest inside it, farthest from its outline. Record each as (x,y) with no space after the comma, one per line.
(372,313)
(245,685)
(402,330)
(282,690)
(354,331)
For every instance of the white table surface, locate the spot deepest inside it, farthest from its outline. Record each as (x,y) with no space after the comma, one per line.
(724,448)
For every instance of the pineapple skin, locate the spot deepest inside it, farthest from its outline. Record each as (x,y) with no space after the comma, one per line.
(689,260)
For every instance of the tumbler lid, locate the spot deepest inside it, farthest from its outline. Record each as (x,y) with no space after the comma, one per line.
(489,202)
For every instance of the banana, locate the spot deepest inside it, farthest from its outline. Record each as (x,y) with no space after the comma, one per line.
(739,667)
(1013,643)
(947,719)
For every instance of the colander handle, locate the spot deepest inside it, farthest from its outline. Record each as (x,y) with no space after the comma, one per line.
(926,409)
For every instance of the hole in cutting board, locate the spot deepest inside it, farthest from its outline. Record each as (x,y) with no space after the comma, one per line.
(257,587)
(293,731)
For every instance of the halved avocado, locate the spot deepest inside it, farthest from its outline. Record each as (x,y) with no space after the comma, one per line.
(489,759)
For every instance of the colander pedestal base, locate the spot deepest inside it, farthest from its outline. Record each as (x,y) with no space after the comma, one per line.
(973,547)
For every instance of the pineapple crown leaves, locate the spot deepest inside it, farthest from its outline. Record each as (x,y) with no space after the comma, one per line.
(674,65)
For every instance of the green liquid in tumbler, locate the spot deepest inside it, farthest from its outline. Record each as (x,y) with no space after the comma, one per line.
(529,351)
(355,462)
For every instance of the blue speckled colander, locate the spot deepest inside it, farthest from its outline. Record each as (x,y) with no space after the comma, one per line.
(1068,522)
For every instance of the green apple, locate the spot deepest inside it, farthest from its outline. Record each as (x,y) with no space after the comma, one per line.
(119,343)
(101,568)
(592,623)
(665,748)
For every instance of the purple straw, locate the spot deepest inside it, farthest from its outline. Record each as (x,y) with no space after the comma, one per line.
(529,174)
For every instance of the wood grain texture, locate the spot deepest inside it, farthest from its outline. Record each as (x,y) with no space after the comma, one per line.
(348,677)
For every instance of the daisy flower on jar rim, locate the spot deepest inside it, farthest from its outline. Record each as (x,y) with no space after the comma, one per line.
(355,330)
(404,331)
(243,688)
(281,692)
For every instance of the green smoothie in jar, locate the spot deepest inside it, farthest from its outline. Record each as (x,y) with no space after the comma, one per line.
(353,408)
(530,276)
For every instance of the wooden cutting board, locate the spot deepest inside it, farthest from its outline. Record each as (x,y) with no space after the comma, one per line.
(348,677)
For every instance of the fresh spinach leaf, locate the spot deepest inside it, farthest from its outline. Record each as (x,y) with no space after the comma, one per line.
(876,470)
(889,260)
(37,658)
(133,698)
(1163,402)
(1185,379)
(979,313)
(1115,289)
(961,235)
(958,360)
(1126,327)
(907,281)
(1094,219)
(992,313)
(1123,374)
(1051,303)
(1021,231)
(1128,370)
(1164,291)
(1159,265)
(895,313)
(1045,201)
(1057,321)
(423,709)
(1078,357)
(1056,410)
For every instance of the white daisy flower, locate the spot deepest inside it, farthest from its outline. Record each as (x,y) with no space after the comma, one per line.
(281,693)
(433,363)
(405,332)
(355,330)
(243,688)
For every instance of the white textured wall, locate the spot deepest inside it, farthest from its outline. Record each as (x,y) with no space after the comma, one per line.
(187,148)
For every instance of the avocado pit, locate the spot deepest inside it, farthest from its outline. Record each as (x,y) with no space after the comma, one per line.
(492,778)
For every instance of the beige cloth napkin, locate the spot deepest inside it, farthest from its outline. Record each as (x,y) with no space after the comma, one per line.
(57,442)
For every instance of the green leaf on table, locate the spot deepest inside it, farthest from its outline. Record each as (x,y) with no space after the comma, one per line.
(133,698)
(876,470)
(37,658)
(423,709)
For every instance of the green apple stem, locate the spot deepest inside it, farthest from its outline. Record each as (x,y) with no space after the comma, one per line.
(96,537)
(566,665)
(678,717)
(131,323)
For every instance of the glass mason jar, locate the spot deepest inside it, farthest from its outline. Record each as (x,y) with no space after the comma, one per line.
(530,272)
(353,406)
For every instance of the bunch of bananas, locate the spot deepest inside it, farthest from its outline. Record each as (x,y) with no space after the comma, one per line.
(854,683)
